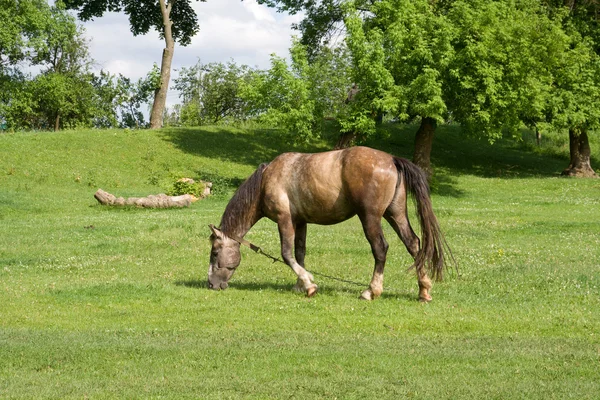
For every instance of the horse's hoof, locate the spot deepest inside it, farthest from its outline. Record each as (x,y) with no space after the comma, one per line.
(424,299)
(366,295)
(311,291)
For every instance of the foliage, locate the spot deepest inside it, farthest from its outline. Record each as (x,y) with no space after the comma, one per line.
(502,74)
(280,96)
(22,30)
(112,303)
(132,96)
(107,95)
(62,95)
(575,98)
(65,50)
(322,23)
(184,186)
(210,93)
(143,15)
(299,96)
(400,53)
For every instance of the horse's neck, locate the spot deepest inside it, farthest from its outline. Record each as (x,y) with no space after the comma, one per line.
(244,209)
(236,223)
(240,230)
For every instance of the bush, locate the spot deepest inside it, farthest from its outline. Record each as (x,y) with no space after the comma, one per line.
(187,186)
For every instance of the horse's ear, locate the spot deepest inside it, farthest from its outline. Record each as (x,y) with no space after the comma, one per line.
(216,231)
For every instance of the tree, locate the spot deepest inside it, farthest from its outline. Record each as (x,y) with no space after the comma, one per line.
(62,94)
(401,51)
(21,30)
(175,20)
(501,76)
(132,95)
(575,104)
(297,97)
(107,95)
(280,97)
(456,60)
(210,92)
(65,60)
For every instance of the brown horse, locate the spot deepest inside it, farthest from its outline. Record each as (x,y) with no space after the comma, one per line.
(296,189)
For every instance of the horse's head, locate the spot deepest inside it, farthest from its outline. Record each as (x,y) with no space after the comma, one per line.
(224,259)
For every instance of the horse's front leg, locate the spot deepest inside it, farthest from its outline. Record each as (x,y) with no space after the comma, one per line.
(379,248)
(300,252)
(290,235)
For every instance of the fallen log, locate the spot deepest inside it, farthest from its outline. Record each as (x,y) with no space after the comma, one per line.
(152,201)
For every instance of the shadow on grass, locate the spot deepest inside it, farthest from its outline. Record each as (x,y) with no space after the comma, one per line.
(324,288)
(242,146)
(253,287)
(454,153)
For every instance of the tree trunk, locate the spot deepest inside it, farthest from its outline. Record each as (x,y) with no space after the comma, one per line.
(579,147)
(152,201)
(160,94)
(57,122)
(424,143)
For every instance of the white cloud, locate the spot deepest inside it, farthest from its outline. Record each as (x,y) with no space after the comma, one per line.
(259,12)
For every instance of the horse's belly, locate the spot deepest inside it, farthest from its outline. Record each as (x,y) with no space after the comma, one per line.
(325,217)
(324,211)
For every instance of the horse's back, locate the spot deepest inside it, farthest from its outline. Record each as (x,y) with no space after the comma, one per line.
(329,187)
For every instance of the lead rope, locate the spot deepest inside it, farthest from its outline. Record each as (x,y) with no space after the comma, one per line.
(258,250)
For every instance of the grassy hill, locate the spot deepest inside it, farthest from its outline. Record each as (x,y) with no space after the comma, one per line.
(111,303)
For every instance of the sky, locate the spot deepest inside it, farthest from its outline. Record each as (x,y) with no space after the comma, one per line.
(243,31)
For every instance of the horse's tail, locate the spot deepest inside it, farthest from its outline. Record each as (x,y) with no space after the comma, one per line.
(433,245)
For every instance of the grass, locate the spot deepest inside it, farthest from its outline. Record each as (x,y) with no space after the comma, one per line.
(111,303)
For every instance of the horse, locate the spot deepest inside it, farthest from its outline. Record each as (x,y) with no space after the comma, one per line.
(296,189)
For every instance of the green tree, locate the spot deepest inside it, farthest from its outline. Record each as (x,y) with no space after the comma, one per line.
(280,97)
(175,20)
(107,96)
(62,94)
(456,60)
(401,52)
(131,96)
(501,75)
(65,59)
(22,29)
(297,97)
(210,93)
(575,102)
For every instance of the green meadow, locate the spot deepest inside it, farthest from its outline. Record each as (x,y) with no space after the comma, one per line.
(101,302)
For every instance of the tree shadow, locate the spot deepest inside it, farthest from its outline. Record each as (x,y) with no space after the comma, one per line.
(455,153)
(242,146)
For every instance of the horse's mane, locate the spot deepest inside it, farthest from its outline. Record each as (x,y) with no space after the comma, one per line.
(242,210)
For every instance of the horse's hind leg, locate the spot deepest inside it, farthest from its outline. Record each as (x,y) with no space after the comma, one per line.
(379,247)
(399,222)
(287,235)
